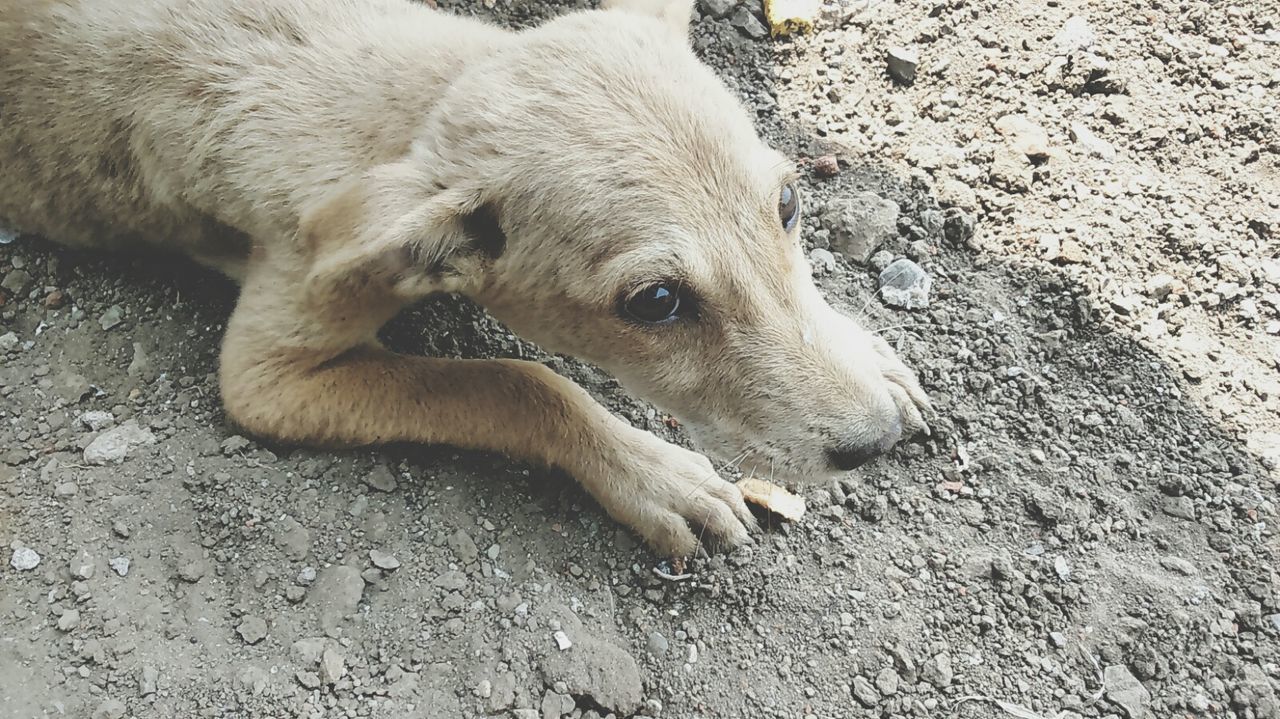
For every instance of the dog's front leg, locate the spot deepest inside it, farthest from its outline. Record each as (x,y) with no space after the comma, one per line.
(296,375)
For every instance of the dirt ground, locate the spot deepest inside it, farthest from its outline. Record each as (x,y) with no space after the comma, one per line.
(1094,190)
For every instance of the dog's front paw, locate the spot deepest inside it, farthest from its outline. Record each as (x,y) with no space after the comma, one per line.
(913,404)
(673,498)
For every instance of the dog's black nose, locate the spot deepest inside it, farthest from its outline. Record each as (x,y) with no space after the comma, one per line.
(853,456)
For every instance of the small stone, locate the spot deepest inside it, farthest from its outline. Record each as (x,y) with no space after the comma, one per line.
(887,682)
(307,651)
(1160,286)
(1180,507)
(747,23)
(1024,136)
(309,680)
(306,576)
(111,318)
(233,445)
(823,262)
(906,285)
(937,671)
(113,445)
(24,559)
(881,260)
(859,224)
(332,666)
(1074,35)
(381,479)
(70,619)
(82,567)
(717,8)
(657,644)
(96,420)
(147,679)
(562,640)
(1199,703)
(382,560)
(55,300)
(1062,568)
(1010,170)
(464,547)
(1058,638)
(9,342)
(826,166)
(119,565)
(902,63)
(1091,143)
(15,281)
(1071,252)
(865,693)
(1125,691)
(66,489)
(252,630)
(120,529)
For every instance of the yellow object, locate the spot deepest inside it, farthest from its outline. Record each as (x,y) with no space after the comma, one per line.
(772,497)
(788,16)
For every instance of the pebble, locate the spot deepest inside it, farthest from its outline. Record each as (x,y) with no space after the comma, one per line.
(824,263)
(1076,34)
(82,566)
(1058,638)
(337,595)
(252,630)
(826,166)
(110,709)
(332,666)
(464,547)
(16,281)
(148,676)
(120,565)
(887,681)
(1091,143)
(193,570)
(657,644)
(1125,691)
(937,671)
(120,529)
(905,285)
(1180,507)
(902,63)
(1024,136)
(24,559)
(306,576)
(562,640)
(96,420)
(748,24)
(70,619)
(717,8)
(113,445)
(111,318)
(865,693)
(859,224)
(1179,565)
(308,680)
(382,560)
(9,342)
(381,479)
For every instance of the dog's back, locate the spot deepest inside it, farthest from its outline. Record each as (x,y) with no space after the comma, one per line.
(176,121)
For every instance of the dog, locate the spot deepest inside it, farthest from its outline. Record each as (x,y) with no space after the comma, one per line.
(589,182)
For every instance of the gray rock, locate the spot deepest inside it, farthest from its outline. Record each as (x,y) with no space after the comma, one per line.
(463,546)
(887,682)
(193,569)
(24,559)
(1091,143)
(9,342)
(1076,34)
(1179,565)
(748,24)
(717,8)
(599,670)
(1180,507)
(902,63)
(307,651)
(15,281)
(1126,692)
(1058,638)
(120,565)
(555,705)
(381,479)
(96,420)
(111,318)
(148,676)
(859,224)
(332,666)
(657,644)
(294,540)
(308,680)
(906,285)
(1010,170)
(113,445)
(382,560)
(824,263)
(1024,136)
(881,260)
(865,693)
(937,671)
(70,619)
(82,566)
(337,595)
(252,630)
(110,709)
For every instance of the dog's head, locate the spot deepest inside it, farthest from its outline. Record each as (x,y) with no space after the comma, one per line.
(633,218)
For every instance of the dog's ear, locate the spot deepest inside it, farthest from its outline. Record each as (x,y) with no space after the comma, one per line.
(675,13)
(395,230)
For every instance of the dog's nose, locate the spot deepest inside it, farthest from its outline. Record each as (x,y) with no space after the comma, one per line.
(852,456)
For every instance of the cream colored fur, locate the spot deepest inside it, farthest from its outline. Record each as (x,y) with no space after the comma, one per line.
(342,158)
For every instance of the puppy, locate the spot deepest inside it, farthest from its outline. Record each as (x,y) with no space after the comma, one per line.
(589,182)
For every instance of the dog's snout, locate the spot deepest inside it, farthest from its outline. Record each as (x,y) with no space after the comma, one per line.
(852,456)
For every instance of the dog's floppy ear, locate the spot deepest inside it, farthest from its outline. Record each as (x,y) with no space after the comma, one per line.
(675,13)
(393,229)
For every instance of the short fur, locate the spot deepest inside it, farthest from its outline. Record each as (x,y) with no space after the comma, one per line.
(343,158)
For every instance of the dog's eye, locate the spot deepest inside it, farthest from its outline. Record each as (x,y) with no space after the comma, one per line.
(789,206)
(654,304)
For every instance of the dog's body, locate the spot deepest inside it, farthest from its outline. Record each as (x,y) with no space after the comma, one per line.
(342,158)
